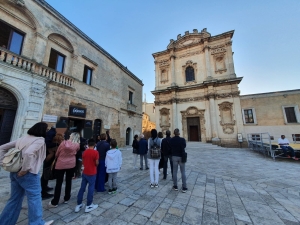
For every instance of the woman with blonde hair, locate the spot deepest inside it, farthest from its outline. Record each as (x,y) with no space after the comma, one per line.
(65,164)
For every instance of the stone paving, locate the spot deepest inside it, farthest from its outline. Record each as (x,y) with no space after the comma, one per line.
(225,186)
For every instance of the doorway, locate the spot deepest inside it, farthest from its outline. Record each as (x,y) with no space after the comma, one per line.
(8,109)
(128,132)
(193,125)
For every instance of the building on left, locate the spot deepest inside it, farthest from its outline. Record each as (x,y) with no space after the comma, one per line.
(51,71)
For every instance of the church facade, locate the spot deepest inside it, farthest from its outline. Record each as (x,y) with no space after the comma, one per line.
(196,88)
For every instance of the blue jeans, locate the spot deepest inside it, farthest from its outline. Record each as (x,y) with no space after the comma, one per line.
(285,148)
(87,179)
(30,185)
(101,173)
(177,161)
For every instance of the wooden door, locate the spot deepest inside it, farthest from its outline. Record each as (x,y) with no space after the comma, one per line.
(194,136)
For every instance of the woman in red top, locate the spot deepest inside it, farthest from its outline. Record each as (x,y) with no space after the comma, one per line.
(65,163)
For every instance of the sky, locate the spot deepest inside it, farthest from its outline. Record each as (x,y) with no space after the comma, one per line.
(266,41)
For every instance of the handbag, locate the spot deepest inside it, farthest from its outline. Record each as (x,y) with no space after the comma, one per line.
(49,172)
(12,161)
(184,157)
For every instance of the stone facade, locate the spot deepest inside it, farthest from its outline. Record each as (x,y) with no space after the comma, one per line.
(147,125)
(109,99)
(275,113)
(197,89)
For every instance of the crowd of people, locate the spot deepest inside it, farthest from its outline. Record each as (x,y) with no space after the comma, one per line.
(67,152)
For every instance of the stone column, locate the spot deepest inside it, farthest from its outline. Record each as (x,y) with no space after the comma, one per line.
(207,60)
(213,115)
(156,75)
(230,59)
(172,57)
(174,114)
(40,48)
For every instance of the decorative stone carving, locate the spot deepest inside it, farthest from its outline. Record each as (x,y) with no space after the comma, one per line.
(165,63)
(189,54)
(226,115)
(164,76)
(193,112)
(164,118)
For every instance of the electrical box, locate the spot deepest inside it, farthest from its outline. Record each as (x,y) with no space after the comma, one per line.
(240,137)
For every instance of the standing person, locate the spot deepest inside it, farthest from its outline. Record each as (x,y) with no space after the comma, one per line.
(27,180)
(90,161)
(113,163)
(143,150)
(161,161)
(102,148)
(178,145)
(65,164)
(135,149)
(284,145)
(79,157)
(166,152)
(108,139)
(154,172)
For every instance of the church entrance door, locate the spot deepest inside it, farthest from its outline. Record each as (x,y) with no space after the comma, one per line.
(193,126)
(194,136)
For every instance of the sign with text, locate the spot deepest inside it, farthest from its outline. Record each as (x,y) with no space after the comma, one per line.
(77,111)
(49,118)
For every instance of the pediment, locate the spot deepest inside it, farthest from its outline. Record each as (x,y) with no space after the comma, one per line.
(61,41)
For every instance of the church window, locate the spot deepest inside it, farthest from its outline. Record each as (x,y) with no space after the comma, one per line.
(11,38)
(56,60)
(87,75)
(189,74)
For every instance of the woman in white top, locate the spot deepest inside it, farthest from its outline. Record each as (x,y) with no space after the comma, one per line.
(153,162)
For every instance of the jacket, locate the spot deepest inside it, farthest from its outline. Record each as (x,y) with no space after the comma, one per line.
(135,146)
(102,148)
(33,152)
(165,146)
(143,146)
(66,155)
(178,145)
(113,161)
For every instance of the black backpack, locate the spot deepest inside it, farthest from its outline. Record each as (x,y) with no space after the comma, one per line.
(154,150)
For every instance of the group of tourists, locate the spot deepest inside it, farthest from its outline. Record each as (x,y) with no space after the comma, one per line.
(65,153)
(169,149)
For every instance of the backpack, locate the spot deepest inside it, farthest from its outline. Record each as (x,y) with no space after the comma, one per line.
(12,161)
(155,150)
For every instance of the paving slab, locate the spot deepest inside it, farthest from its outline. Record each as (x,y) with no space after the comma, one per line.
(225,186)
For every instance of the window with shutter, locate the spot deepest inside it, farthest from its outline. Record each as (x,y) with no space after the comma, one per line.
(290,114)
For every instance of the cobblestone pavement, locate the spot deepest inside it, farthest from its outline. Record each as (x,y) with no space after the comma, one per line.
(225,186)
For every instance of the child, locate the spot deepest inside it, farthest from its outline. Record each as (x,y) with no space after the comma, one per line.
(90,161)
(113,162)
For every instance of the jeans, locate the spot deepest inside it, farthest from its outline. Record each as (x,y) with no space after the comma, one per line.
(177,161)
(59,180)
(145,159)
(87,179)
(134,159)
(112,180)
(166,165)
(101,173)
(28,184)
(154,172)
(285,148)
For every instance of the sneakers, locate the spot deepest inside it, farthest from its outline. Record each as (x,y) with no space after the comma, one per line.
(183,190)
(156,185)
(90,208)
(175,188)
(52,206)
(78,207)
(114,190)
(49,222)
(110,191)
(152,185)
(65,202)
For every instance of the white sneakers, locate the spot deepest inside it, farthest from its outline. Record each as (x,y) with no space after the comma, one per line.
(49,222)
(78,207)
(52,206)
(90,208)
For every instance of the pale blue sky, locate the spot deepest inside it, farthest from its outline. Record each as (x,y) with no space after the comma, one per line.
(266,42)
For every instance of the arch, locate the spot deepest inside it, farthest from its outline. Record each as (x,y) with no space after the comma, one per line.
(97,128)
(62,41)
(129,136)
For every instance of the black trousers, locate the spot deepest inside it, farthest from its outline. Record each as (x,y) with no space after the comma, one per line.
(59,180)
(44,183)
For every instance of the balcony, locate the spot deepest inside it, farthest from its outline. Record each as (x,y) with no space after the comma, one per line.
(131,107)
(36,68)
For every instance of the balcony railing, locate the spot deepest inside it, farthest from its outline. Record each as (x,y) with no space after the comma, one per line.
(39,69)
(131,107)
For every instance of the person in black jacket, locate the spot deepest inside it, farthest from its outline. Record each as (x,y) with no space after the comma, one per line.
(135,149)
(143,150)
(178,145)
(108,138)
(166,152)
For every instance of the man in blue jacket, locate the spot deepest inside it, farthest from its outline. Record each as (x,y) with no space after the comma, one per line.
(178,145)
(143,150)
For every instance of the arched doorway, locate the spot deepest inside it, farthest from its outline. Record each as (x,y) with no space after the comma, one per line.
(8,108)
(128,135)
(97,128)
